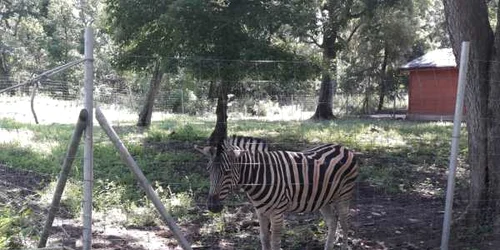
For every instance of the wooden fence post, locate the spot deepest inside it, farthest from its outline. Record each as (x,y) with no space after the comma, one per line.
(63,176)
(143,181)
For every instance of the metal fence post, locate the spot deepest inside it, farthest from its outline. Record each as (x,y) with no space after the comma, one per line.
(455,140)
(88,160)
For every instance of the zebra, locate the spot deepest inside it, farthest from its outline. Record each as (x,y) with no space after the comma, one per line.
(321,178)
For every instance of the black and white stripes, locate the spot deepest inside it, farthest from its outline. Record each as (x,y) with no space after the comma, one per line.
(321,178)
(248,143)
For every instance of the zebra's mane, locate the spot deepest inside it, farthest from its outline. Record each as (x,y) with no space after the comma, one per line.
(248,142)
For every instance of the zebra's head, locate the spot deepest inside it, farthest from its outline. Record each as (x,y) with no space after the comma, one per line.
(223,170)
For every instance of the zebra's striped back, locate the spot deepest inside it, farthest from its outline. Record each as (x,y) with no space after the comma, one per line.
(298,181)
(248,143)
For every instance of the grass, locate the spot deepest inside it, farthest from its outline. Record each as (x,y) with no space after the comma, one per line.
(164,151)
(394,154)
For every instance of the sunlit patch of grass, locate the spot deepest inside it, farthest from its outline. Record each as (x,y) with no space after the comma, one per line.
(28,139)
(144,213)
(380,138)
(14,155)
(71,198)
(19,136)
(180,130)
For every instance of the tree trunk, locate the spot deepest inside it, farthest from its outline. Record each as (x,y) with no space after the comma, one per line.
(154,85)
(383,81)
(220,130)
(494,130)
(211,90)
(468,21)
(324,109)
(5,77)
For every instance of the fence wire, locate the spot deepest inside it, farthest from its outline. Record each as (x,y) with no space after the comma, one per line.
(399,198)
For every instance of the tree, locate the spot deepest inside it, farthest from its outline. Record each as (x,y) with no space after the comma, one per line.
(381,44)
(38,34)
(331,33)
(21,36)
(221,34)
(334,16)
(468,21)
(64,33)
(135,29)
(147,110)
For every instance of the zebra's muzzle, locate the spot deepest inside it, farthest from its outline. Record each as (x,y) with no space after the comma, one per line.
(214,204)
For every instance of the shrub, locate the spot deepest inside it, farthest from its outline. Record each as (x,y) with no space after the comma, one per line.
(15,224)
(70,200)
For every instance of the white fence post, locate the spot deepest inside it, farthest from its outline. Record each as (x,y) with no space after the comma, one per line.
(88,160)
(455,140)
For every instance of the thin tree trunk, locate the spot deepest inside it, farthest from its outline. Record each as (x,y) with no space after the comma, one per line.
(383,81)
(5,77)
(147,110)
(211,90)
(220,130)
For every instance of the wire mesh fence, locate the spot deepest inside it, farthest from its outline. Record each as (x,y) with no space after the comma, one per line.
(399,198)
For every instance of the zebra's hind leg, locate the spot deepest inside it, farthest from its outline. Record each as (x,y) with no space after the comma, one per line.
(265,231)
(331,218)
(344,216)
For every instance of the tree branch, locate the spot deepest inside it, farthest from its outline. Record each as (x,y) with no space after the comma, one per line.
(312,41)
(353,32)
(33,93)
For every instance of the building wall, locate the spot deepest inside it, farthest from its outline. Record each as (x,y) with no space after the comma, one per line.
(432,93)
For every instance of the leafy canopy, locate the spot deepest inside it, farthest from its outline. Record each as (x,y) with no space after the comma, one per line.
(224,33)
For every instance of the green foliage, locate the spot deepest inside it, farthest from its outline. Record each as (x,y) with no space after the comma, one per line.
(108,194)
(28,158)
(71,200)
(182,101)
(186,133)
(168,128)
(15,225)
(178,205)
(215,39)
(39,35)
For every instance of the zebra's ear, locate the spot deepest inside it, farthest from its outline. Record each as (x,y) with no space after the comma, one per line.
(208,151)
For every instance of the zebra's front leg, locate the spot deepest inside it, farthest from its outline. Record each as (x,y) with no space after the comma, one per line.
(265,232)
(276,228)
(331,219)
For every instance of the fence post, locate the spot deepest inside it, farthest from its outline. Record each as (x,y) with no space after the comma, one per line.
(63,176)
(455,140)
(88,160)
(182,99)
(143,181)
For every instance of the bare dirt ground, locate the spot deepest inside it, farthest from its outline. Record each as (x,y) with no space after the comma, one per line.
(380,221)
